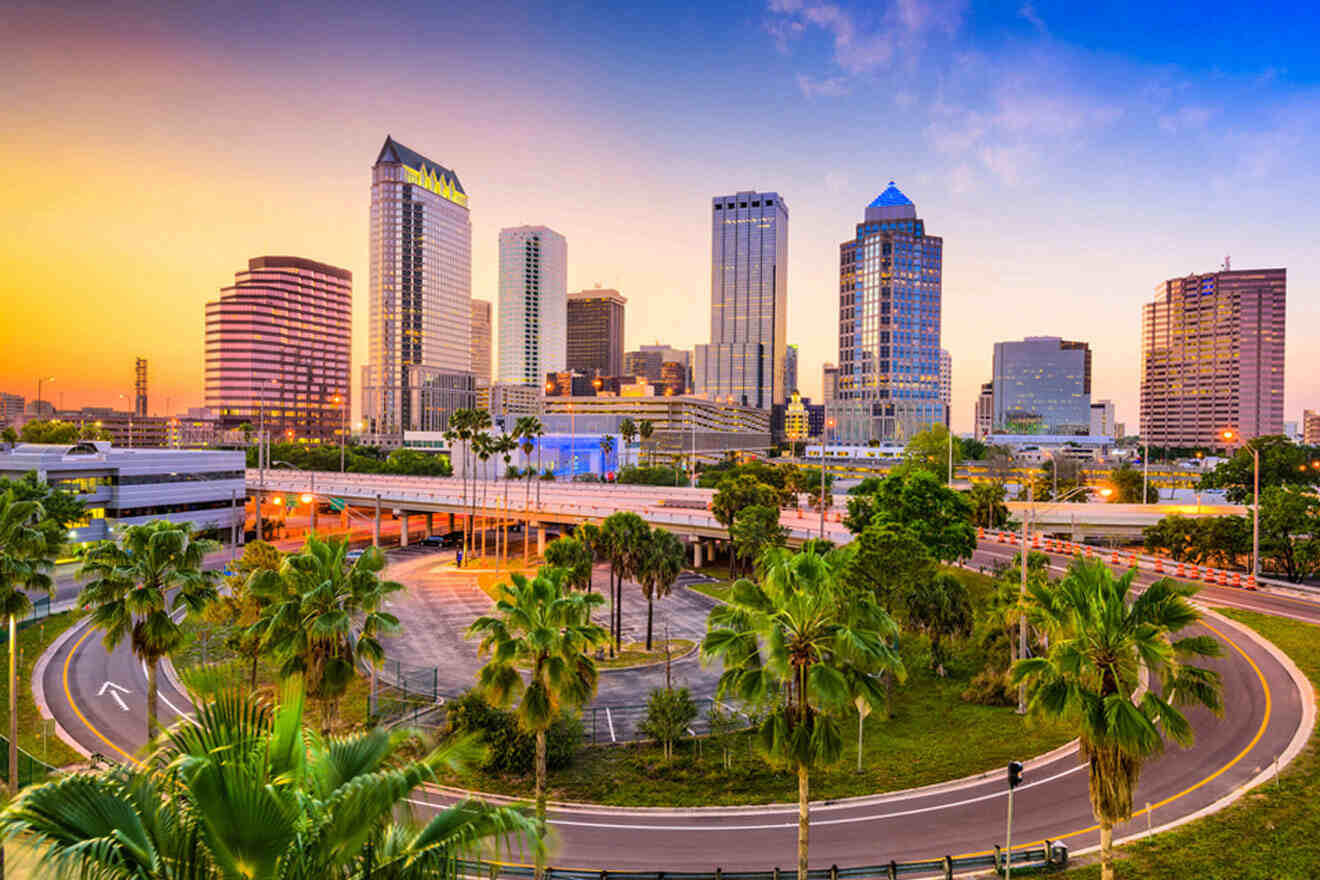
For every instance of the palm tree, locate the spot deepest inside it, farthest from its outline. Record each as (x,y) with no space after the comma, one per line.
(29,542)
(606,447)
(243,792)
(623,537)
(322,616)
(940,607)
(528,429)
(483,447)
(644,430)
(460,430)
(808,647)
(574,558)
(504,445)
(1100,637)
(661,561)
(128,587)
(628,431)
(590,536)
(543,627)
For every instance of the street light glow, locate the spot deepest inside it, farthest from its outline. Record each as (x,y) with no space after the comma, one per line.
(306,497)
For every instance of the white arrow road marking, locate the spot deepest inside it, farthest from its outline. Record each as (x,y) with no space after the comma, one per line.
(168,702)
(115,690)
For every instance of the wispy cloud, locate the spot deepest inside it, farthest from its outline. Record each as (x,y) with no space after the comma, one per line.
(827,86)
(1028,11)
(865,39)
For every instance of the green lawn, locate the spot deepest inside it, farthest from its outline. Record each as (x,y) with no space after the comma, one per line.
(35,736)
(1271,833)
(914,747)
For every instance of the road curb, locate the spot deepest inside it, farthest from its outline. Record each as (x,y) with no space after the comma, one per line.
(39,685)
(1298,742)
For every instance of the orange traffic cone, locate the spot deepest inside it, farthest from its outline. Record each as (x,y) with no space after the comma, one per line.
(1209,576)
(980,533)
(1237,579)
(1193,572)
(1113,558)
(1035,541)
(1223,578)
(1132,561)
(1182,570)
(1159,565)
(1251,582)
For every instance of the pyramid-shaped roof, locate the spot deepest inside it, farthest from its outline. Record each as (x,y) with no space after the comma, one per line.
(393,151)
(890,198)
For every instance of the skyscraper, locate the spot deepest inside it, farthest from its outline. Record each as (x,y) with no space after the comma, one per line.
(533,304)
(890,277)
(744,361)
(829,374)
(1042,386)
(140,387)
(985,411)
(1102,418)
(419,362)
(946,378)
(595,332)
(790,371)
(481,342)
(1212,357)
(278,344)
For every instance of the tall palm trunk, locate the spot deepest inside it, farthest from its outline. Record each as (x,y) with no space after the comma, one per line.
(13,711)
(1106,850)
(650,610)
(540,800)
(153,696)
(804,824)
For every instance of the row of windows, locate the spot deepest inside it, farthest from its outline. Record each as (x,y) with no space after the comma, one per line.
(186,477)
(161,509)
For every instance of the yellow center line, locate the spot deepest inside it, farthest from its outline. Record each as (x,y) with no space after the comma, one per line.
(1269,702)
(68,695)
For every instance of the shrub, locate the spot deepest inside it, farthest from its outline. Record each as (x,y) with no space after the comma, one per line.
(668,714)
(509,749)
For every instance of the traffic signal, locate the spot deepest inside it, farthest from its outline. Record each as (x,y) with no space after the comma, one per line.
(1014,774)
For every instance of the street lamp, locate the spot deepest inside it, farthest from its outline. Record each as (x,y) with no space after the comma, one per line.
(1022,564)
(307,497)
(824,438)
(1255,499)
(40,380)
(343,427)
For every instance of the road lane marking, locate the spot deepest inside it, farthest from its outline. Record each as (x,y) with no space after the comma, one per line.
(115,690)
(68,695)
(160,692)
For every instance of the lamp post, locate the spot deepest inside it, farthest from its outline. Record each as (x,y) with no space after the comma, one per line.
(950,430)
(1145,470)
(308,497)
(41,380)
(1027,515)
(343,427)
(1255,502)
(824,439)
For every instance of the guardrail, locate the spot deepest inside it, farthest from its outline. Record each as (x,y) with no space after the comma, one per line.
(1049,856)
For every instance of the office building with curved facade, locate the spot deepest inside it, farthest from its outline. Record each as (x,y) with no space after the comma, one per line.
(278,343)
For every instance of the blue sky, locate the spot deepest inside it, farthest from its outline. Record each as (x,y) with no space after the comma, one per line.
(1071,155)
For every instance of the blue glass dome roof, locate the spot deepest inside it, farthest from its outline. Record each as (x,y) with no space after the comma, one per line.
(890,198)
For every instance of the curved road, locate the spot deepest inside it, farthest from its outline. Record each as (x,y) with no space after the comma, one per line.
(1264,714)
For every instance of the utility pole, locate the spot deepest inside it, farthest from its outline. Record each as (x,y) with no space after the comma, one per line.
(1022,617)
(1014,780)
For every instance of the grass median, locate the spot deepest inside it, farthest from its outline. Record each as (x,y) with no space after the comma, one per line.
(1271,833)
(36,735)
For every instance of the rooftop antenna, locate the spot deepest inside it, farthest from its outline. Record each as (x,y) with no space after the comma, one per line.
(1228,263)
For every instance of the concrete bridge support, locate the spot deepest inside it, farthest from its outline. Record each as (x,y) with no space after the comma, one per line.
(696,551)
(429,525)
(540,541)
(375,527)
(403,529)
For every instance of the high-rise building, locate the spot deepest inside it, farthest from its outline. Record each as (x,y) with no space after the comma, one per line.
(481,342)
(1310,428)
(1212,357)
(595,332)
(796,424)
(985,411)
(946,378)
(673,375)
(419,362)
(1102,418)
(11,408)
(533,304)
(278,347)
(890,288)
(790,370)
(1042,385)
(744,361)
(140,386)
(829,382)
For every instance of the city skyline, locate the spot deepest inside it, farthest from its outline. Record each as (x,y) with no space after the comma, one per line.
(1042,166)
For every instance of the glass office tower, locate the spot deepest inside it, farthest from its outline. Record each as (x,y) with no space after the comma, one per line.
(1042,385)
(533,304)
(419,361)
(889,326)
(744,361)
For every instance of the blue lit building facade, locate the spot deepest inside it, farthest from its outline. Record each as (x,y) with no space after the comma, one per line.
(889,326)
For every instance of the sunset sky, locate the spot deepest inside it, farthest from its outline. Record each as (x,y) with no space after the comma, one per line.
(1071,156)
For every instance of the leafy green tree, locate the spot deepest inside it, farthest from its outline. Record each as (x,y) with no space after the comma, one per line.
(987,503)
(1290,531)
(510,748)
(806,647)
(9,435)
(592,539)
(573,557)
(1282,463)
(658,568)
(807,481)
(886,561)
(412,463)
(128,583)
(29,542)
(49,431)
(64,509)
(544,628)
(644,430)
(659,475)
(239,608)
(321,616)
(1127,482)
(938,516)
(736,492)
(245,793)
(928,451)
(1100,637)
(941,608)
(669,712)
(754,529)
(972,449)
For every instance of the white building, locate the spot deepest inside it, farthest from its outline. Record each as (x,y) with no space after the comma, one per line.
(133,486)
(533,304)
(419,359)
(1102,419)
(946,377)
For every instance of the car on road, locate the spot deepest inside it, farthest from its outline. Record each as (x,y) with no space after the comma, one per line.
(450,540)
(353,555)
